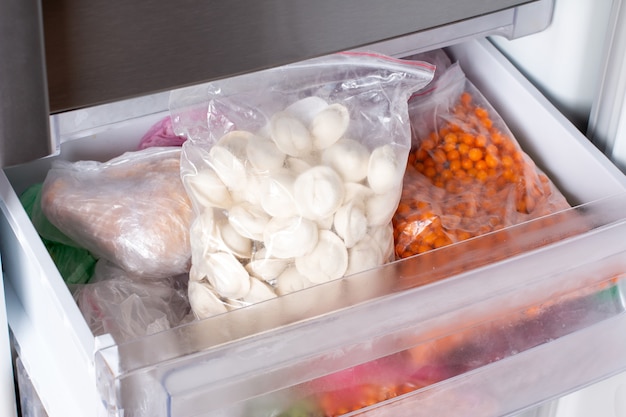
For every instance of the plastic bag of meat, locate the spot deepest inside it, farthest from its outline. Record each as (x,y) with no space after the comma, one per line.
(131,210)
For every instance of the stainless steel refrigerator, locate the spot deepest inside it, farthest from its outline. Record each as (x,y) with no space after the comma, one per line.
(85,80)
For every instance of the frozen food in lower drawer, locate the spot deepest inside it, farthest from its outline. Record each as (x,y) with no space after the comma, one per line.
(260,359)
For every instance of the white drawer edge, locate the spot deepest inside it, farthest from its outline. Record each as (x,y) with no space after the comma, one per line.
(62,391)
(41,263)
(55,343)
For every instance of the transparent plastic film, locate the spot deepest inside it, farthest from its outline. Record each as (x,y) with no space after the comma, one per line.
(294,174)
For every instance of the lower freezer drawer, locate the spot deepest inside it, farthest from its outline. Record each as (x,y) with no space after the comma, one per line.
(494,341)
(526,295)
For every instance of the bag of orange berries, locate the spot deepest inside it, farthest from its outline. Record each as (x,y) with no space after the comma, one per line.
(466,174)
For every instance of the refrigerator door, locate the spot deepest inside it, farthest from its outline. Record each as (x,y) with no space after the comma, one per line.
(118,50)
(23,84)
(102,51)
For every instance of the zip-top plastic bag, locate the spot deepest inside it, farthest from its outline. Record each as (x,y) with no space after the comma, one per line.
(466,174)
(294,174)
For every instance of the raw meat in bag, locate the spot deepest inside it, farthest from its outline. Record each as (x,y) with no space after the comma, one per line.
(294,174)
(131,210)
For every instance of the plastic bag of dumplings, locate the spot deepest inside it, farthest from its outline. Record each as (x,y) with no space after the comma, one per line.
(294,174)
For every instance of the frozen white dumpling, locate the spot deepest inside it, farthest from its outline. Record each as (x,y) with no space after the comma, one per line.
(236,142)
(290,237)
(327,261)
(366,254)
(291,280)
(233,241)
(319,192)
(203,237)
(290,135)
(253,191)
(206,189)
(203,300)
(306,109)
(277,198)
(230,169)
(210,233)
(357,194)
(325,223)
(264,155)
(349,158)
(383,237)
(379,208)
(248,220)
(266,267)
(259,291)
(227,275)
(384,171)
(350,223)
(297,165)
(329,125)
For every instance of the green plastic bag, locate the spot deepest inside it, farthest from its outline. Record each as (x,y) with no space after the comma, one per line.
(75,264)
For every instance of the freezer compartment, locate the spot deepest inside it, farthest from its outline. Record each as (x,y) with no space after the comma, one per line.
(62,356)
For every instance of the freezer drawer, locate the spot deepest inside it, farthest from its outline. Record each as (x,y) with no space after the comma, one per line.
(7,391)
(228,365)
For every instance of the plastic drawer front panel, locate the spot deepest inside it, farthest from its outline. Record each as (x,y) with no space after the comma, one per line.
(30,404)
(514,326)
(7,391)
(223,365)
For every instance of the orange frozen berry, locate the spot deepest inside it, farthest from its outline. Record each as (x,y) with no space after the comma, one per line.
(475,154)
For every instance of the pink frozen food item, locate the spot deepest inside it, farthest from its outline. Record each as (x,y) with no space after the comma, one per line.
(161,134)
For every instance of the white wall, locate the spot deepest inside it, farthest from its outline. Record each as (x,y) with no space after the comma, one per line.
(565,60)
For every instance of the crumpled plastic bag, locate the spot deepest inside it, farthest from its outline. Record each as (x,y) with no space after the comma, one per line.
(131,210)
(127,307)
(294,174)
(466,174)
